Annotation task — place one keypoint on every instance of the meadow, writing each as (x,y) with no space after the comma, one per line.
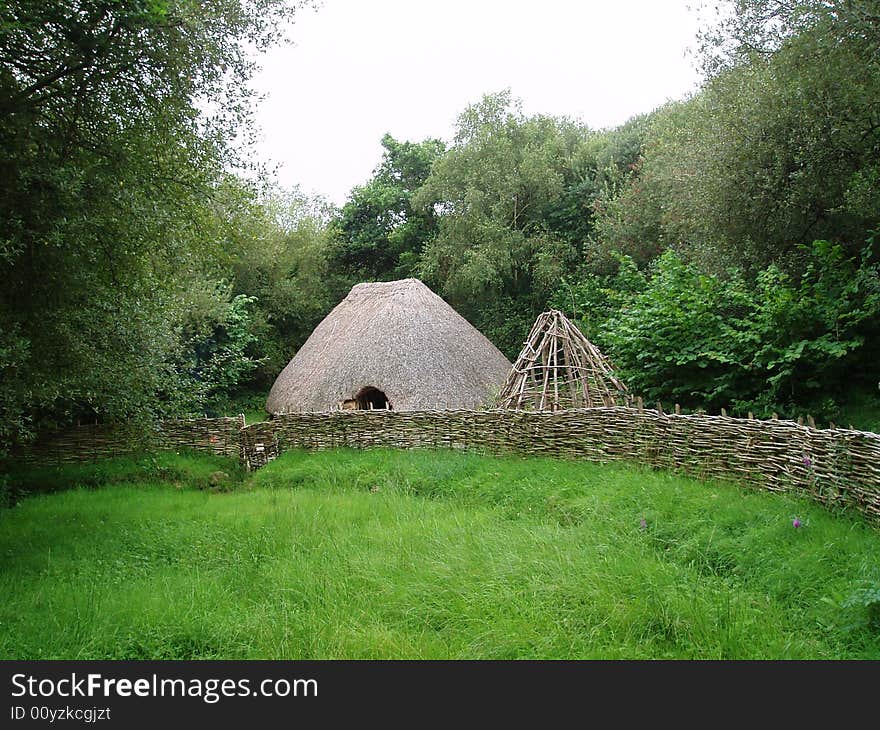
(424,554)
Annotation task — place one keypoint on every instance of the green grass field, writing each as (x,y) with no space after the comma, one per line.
(425,554)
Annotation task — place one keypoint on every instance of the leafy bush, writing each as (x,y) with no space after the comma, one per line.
(216,358)
(865,604)
(771,342)
(819,333)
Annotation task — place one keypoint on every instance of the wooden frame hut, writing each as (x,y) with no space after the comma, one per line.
(558,368)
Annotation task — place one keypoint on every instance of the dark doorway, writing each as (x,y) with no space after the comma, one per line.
(370,398)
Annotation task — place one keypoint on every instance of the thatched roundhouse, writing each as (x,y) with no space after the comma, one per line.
(391,345)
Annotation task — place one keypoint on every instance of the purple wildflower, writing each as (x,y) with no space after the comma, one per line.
(808,462)
(643,524)
(795,523)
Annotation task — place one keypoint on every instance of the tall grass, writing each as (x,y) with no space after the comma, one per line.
(429,554)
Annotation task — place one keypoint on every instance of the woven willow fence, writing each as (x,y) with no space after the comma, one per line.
(837,467)
(89,443)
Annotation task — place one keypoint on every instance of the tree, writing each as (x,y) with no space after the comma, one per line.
(780,147)
(277,244)
(107,168)
(380,232)
(502,238)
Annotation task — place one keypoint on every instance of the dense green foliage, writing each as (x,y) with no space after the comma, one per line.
(276,252)
(719,248)
(380,231)
(385,554)
(497,252)
(780,147)
(108,165)
(755,343)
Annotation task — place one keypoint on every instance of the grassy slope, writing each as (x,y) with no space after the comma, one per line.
(389,554)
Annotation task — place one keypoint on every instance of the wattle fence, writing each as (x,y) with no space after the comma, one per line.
(837,467)
(220,436)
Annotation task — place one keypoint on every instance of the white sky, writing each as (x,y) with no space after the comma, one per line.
(361,68)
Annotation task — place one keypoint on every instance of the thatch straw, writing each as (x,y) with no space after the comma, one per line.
(558,368)
(400,338)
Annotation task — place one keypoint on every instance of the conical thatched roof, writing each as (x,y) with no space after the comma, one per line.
(397,337)
(559,367)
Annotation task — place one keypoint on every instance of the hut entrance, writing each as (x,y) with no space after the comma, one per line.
(369,398)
